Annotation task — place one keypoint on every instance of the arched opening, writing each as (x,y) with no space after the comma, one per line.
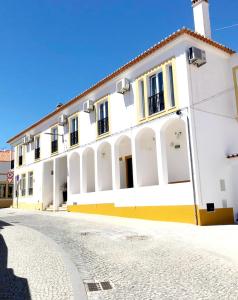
(104,161)
(175,137)
(74,173)
(146,158)
(123,163)
(88,171)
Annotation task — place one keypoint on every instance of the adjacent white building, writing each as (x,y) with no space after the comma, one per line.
(156,139)
(6,185)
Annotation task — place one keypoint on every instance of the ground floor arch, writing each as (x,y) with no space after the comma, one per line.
(104,167)
(88,164)
(175,141)
(146,157)
(74,173)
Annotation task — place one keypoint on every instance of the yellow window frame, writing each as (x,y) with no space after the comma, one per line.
(235,79)
(145,78)
(97,103)
(70,118)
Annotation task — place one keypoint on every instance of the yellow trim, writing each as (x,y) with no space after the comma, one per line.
(28,206)
(183,213)
(69,119)
(145,77)
(221,216)
(175,213)
(4,203)
(235,79)
(107,97)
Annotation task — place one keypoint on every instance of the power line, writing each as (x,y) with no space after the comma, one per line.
(227,27)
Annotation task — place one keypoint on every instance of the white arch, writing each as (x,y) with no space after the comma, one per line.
(104,167)
(88,166)
(146,157)
(174,138)
(74,173)
(123,167)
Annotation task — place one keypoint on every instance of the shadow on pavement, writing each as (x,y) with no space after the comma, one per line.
(11,286)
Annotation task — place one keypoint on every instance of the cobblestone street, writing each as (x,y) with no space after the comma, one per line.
(141,259)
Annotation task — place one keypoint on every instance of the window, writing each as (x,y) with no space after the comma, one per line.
(30,183)
(156,91)
(141,90)
(23,184)
(37,147)
(74,131)
(54,140)
(20,155)
(103,122)
(3,189)
(12,164)
(170,86)
(156,98)
(10,191)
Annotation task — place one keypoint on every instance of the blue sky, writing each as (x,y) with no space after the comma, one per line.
(52,50)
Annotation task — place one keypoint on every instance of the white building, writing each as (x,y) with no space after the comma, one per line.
(152,140)
(6,187)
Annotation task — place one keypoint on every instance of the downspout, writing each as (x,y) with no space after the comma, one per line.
(192,170)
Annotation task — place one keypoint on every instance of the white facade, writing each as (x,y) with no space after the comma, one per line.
(174,157)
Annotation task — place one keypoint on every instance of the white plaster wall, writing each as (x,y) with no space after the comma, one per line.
(48,183)
(104,167)
(212,114)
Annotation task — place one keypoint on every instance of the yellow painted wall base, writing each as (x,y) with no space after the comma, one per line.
(221,216)
(4,203)
(28,206)
(178,213)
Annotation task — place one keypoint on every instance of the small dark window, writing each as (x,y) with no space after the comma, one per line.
(103,121)
(12,164)
(210,207)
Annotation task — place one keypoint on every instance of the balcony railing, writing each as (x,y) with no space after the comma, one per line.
(54,146)
(103,126)
(156,103)
(37,153)
(74,138)
(20,160)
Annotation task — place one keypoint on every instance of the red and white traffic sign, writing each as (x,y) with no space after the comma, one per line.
(10,176)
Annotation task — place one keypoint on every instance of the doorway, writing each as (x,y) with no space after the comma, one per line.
(129,172)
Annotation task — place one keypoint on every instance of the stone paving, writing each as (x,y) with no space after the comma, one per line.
(142,259)
(30,267)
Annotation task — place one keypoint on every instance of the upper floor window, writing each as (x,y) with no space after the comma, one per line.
(74,131)
(54,139)
(156,98)
(37,147)
(23,184)
(20,155)
(30,183)
(156,91)
(102,117)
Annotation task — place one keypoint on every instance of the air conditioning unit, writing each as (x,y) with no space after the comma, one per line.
(24,140)
(29,138)
(123,86)
(88,106)
(197,56)
(63,119)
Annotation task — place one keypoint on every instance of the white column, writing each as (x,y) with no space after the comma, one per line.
(81,174)
(161,158)
(96,169)
(55,185)
(134,161)
(115,167)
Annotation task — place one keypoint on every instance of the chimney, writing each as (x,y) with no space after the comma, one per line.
(201,17)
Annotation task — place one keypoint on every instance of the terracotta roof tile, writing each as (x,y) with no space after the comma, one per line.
(164,42)
(5,155)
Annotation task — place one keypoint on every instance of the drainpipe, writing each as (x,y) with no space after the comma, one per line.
(179,112)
